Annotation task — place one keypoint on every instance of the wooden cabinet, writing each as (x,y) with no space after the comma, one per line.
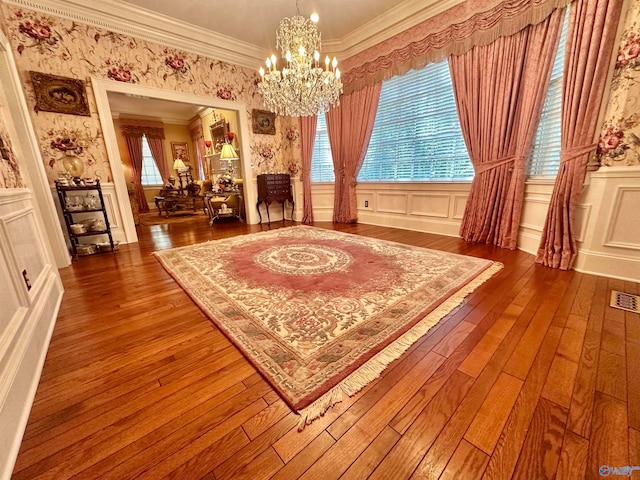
(274,187)
(70,208)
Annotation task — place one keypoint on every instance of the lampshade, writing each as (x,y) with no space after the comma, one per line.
(228,153)
(178,164)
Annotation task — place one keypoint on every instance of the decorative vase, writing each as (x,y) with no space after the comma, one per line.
(73,165)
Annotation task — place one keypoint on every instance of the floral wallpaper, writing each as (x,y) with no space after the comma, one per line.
(10,176)
(58,46)
(619,142)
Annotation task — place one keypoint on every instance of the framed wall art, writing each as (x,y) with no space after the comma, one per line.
(180,150)
(264,122)
(59,94)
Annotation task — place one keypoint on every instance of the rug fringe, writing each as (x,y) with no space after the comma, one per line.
(372,369)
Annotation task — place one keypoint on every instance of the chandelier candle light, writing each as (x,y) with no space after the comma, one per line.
(303,87)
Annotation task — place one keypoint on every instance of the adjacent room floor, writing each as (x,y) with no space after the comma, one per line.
(534,376)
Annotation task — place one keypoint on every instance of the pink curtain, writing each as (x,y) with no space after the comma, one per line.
(134,145)
(156,145)
(349,138)
(590,41)
(455,31)
(307,139)
(500,89)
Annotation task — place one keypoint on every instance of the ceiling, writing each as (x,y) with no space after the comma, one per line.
(255,21)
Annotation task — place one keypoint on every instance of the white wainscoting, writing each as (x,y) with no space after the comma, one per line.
(607,230)
(29,300)
(610,229)
(424,207)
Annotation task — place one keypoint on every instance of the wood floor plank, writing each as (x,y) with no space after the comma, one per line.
(487,426)
(448,344)
(485,349)
(307,457)
(196,448)
(542,446)
(560,383)
(585,385)
(265,419)
(408,452)
(611,445)
(633,383)
(507,451)
(261,468)
(573,457)
(388,381)
(612,375)
(467,462)
(174,435)
(369,459)
(234,466)
(350,445)
(529,344)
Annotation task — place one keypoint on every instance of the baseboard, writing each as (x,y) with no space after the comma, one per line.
(25,363)
(608,265)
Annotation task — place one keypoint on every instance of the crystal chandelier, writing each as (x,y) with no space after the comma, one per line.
(303,87)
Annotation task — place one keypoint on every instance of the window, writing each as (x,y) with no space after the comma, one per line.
(150,172)
(545,154)
(417,136)
(321,161)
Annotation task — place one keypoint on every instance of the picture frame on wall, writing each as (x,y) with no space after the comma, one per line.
(180,150)
(264,122)
(60,94)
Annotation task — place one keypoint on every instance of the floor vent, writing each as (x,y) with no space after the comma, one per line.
(625,301)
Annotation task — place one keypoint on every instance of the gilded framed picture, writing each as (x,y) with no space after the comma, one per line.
(264,122)
(180,150)
(59,94)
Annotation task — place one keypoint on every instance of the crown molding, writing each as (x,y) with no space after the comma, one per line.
(406,15)
(126,19)
(141,23)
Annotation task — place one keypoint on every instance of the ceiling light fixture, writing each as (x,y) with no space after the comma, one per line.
(303,87)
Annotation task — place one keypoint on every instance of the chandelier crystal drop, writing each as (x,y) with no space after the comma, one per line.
(303,86)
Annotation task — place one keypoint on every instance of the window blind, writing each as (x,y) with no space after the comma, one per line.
(544,159)
(417,136)
(150,172)
(321,161)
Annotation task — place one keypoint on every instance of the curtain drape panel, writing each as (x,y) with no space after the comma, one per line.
(156,145)
(307,140)
(500,89)
(349,126)
(468,24)
(134,145)
(591,37)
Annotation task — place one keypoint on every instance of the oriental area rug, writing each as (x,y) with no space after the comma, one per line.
(322,313)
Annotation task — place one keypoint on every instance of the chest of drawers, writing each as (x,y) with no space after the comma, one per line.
(274,187)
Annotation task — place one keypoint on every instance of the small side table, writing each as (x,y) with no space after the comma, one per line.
(223,197)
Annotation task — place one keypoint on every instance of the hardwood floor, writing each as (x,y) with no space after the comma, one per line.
(533,377)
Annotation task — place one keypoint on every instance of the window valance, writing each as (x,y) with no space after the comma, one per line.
(137,128)
(452,32)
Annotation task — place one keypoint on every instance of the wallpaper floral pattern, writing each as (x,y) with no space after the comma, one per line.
(10,176)
(58,46)
(619,142)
